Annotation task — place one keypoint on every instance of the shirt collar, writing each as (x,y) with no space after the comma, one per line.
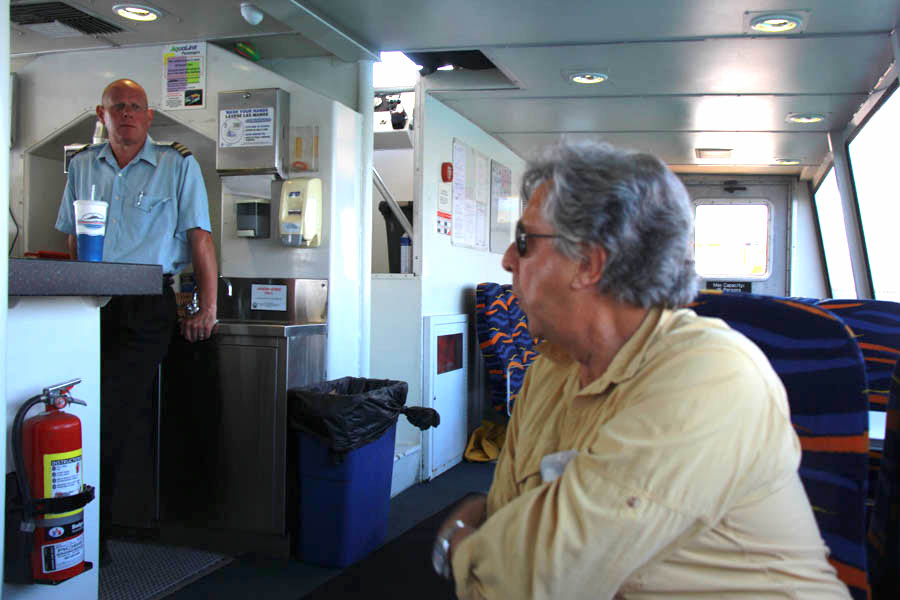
(628,359)
(146,153)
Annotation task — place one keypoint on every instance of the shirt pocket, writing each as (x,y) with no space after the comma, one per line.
(149,204)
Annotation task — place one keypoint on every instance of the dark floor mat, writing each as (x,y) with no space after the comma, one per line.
(145,571)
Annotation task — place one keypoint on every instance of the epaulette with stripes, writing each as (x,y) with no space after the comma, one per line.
(85,147)
(182,149)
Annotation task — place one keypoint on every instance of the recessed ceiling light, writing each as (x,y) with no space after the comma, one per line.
(805,118)
(775,23)
(445,68)
(787,161)
(137,12)
(588,77)
(715,153)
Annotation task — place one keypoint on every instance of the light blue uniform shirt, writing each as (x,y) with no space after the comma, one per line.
(153,202)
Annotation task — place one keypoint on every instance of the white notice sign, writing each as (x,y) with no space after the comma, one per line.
(244,127)
(268,297)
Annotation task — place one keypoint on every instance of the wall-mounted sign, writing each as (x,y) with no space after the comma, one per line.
(730,286)
(184,76)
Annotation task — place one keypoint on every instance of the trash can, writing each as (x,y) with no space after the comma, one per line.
(346,430)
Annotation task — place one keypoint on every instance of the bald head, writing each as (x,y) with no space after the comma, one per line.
(124,84)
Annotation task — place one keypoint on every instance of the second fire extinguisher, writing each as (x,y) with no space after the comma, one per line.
(48,456)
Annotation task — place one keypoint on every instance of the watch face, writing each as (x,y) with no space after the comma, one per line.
(439,557)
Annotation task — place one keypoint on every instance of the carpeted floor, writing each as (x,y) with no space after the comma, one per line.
(401,569)
(252,576)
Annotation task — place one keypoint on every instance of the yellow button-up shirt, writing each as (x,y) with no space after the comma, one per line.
(684,484)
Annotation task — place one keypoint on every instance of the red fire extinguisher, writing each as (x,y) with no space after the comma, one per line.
(48,456)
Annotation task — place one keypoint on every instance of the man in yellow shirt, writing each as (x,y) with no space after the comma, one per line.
(650,453)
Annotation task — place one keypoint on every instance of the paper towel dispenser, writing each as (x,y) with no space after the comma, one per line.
(253,129)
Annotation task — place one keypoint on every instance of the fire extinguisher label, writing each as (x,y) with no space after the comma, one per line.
(63,555)
(62,476)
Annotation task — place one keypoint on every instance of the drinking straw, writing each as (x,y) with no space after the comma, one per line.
(93,190)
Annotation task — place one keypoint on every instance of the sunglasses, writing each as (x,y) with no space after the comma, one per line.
(522,238)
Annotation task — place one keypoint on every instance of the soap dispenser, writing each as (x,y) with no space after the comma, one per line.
(300,217)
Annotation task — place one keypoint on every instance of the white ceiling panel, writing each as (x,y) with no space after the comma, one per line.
(657,113)
(678,148)
(820,65)
(405,25)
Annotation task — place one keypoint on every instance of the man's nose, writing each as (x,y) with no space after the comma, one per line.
(510,257)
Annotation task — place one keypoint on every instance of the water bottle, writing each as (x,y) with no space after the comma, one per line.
(405,254)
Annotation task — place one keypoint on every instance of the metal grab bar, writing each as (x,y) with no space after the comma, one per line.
(395,208)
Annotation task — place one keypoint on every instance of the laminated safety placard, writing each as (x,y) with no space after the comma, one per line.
(62,477)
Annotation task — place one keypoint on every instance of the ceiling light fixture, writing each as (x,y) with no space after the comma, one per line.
(445,68)
(251,13)
(137,12)
(588,77)
(713,153)
(805,118)
(787,161)
(775,23)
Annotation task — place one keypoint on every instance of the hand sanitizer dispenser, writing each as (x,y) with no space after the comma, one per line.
(300,217)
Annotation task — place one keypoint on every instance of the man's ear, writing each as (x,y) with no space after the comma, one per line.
(591,268)
(100,113)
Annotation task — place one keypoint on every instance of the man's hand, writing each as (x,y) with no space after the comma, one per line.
(199,326)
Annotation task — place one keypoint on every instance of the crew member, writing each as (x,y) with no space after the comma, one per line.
(158,214)
(650,452)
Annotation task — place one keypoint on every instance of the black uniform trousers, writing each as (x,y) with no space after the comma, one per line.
(135,332)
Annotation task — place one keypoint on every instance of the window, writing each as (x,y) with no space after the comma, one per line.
(873,158)
(450,355)
(732,240)
(834,238)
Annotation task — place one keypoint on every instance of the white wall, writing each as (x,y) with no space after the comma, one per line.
(450,273)
(44,110)
(807,270)
(345,270)
(53,340)
(4,210)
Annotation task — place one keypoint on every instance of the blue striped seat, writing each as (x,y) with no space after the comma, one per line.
(876,326)
(884,531)
(505,342)
(822,369)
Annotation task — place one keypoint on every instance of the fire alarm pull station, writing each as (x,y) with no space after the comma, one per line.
(46,496)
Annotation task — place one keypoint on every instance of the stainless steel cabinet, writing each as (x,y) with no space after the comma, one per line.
(223,434)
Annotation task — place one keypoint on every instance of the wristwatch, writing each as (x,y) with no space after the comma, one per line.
(440,554)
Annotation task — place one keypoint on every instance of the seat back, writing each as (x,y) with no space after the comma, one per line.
(876,326)
(505,342)
(884,531)
(822,370)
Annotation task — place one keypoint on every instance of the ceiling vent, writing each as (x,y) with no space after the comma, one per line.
(472,60)
(44,14)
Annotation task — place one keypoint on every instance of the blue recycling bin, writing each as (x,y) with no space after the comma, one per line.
(344,506)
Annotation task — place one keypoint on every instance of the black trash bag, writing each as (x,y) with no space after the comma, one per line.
(346,413)
(422,417)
